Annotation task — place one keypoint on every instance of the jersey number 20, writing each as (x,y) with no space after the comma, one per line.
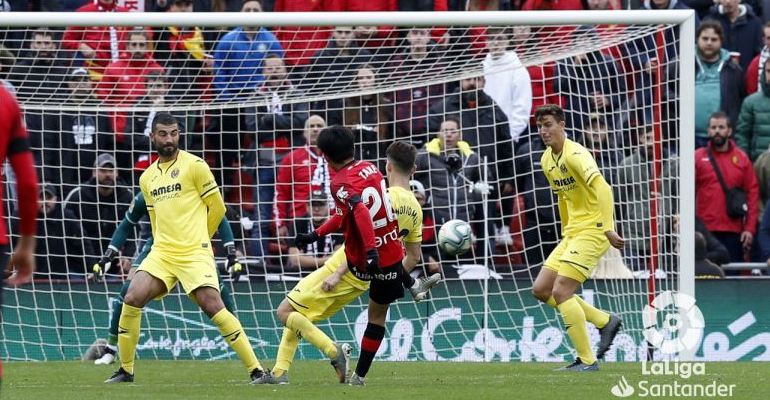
(372,197)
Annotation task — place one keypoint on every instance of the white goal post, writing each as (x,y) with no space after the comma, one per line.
(491,316)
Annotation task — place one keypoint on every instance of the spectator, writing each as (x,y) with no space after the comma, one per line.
(541,76)
(181,51)
(485,129)
(704,268)
(123,80)
(301,170)
(603,146)
(412,105)
(61,253)
(634,193)
(716,252)
(78,132)
(718,80)
(753,76)
(315,254)
(441,166)
(753,131)
(507,82)
(40,74)
(671,35)
(702,7)
(335,65)
(96,46)
(301,42)
(736,233)
(100,204)
(139,152)
(7,59)
(742,29)
(369,116)
(591,83)
(239,54)
(542,228)
(278,125)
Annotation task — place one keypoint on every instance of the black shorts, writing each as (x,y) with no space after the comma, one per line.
(388,287)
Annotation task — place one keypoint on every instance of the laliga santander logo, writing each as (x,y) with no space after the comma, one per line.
(682,324)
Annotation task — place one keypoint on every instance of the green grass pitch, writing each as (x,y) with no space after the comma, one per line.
(221,380)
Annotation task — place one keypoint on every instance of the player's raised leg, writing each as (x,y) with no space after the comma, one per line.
(143,288)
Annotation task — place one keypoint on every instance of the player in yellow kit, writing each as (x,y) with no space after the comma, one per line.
(331,287)
(185,208)
(588,230)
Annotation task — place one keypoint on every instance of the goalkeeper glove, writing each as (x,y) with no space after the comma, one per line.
(304,239)
(373,263)
(234,268)
(104,264)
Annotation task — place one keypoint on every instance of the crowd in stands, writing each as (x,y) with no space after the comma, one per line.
(261,139)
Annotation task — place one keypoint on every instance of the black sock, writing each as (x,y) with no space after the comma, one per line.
(406,279)
(370,343)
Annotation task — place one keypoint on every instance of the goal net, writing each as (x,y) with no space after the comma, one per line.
(250,95)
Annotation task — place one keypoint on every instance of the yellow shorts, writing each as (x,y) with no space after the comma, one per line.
(310,300)
(577,256)
(193,271)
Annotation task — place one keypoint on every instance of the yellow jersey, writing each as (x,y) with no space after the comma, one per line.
(409,215)
(570,174)
(175,191)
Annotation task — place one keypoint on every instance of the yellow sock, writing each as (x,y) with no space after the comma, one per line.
(289,344)
(299,323)
(232,331)
(575,321)
(128,335)
(593,315)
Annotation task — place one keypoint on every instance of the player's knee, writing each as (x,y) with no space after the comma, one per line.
(540,293)
(562,294)
(133,300)
(283,311)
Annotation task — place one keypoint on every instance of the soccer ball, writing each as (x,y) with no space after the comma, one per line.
(454,237)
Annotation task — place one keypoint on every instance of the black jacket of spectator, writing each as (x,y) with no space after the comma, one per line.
(542,227)
(330,68)
(184,71)
(277,132)
(716,252)
(732,89)
(744,35)
(61,248)
(484,127)
(39,78)
(76,136)
(447,191)
(99,214)
(578,82)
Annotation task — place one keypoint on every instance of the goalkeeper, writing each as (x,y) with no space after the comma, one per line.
(136,212)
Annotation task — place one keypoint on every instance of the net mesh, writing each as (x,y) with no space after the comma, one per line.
(250,100)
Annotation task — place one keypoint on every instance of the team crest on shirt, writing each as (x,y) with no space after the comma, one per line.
(342,194)
(735,160)
(563,168)
(174,173)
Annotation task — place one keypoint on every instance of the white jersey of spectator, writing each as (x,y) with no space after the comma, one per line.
(509,85)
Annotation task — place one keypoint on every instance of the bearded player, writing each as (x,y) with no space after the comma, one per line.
(136,212)
(185,209)
(588,230)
